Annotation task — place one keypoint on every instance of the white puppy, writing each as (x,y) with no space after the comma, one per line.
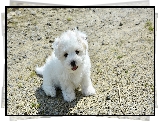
(68,66)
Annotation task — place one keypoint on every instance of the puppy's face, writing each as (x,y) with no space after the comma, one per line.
(71,49)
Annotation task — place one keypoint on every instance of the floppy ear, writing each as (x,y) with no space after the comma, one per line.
(55,43)
(55,46)
(82,37)
(85,43)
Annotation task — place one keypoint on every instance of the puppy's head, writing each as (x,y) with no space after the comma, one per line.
(71,49)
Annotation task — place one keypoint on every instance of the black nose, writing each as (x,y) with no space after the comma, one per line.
(73,63)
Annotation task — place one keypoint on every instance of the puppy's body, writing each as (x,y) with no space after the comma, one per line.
(68,66)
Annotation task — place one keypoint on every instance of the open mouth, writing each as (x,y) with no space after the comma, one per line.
(74,68)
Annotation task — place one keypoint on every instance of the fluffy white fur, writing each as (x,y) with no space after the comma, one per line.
(68,67)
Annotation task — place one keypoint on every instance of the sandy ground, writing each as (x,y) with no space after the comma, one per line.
(121,48)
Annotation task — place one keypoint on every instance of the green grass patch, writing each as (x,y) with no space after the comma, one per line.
(149,26)
(119,57)
(32,74)
(126,71)
(20,85)
(69,19)
(35,105)
(148,23)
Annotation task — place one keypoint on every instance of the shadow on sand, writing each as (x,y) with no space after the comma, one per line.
(55,105)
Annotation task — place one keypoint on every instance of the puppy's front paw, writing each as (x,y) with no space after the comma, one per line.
(49,90)
(69,96)
(89,91)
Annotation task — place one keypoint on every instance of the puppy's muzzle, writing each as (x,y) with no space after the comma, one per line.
(73,64)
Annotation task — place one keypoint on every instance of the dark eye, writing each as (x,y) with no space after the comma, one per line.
(65,55)
(77,52)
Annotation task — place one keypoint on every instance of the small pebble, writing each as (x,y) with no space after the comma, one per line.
(120,24)
(48,24)
(108,98)
(39,38)
(33,12)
